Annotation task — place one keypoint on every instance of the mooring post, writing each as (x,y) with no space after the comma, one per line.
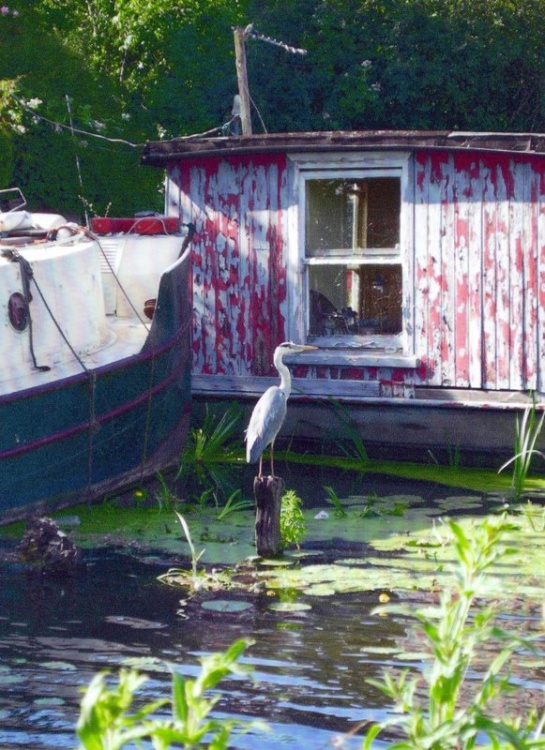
(268,493)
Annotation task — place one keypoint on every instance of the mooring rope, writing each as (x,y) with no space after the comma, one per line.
(91,379)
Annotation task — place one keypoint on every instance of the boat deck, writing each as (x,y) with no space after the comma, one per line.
(127,337)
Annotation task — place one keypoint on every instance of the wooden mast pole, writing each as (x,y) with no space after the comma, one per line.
(242,78)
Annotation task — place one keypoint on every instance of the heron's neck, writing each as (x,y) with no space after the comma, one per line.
(285,376)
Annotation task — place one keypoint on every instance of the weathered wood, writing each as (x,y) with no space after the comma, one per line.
(268,496)
(472,230)
(159,153)
(242,78)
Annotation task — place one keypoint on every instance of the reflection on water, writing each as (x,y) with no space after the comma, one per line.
(311,665)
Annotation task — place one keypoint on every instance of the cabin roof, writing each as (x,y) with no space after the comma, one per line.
(159,153)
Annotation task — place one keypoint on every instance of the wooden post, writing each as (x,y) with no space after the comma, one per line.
(268,493)
(242,78)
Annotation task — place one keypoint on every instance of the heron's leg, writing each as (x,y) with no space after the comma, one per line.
(272,459)
(260,474)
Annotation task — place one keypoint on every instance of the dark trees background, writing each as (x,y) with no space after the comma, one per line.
(128,71)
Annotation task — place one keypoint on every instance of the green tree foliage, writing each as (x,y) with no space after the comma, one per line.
(432,63)
(138,70)
(54,77)
(437,64)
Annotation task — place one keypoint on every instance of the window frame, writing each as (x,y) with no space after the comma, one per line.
(357,166)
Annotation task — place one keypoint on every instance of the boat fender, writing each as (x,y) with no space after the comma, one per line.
(149,308)
(11,220)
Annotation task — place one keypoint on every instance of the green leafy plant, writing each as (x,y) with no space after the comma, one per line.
(214,441)
(455,712)
(292,520)
(535,516)
(166,498)
(200,579)
(334,499)
(106,721)
(195,556)
(213,452)
(350,441)
(527,433)
(234,502)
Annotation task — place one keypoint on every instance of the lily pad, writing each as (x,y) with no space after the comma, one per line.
(226,605)
(145,663)
(11,679)
(51,701)
(289,607)
(61,666)
(135,622)
(461,502)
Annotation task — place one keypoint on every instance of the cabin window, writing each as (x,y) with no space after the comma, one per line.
(351,226)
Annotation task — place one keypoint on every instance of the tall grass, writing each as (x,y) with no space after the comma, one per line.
(527,433)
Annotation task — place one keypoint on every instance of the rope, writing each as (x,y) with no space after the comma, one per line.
(59,329)
(118,282)
(27,275)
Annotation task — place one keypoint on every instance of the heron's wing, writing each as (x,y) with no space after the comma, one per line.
(265,422)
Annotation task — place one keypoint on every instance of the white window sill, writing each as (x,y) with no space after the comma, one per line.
(363,356)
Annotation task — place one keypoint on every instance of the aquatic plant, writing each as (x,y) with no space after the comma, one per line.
(334,499)
(195,556)
(528,431)
(108,721)
(457,712)
(166,498)
(213,441)
(235,502)
(292,520)
(350,441)
(213,453)
(203,497)
(198,580)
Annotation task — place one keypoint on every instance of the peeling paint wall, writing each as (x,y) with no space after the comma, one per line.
(239,260)
(480,269)
(475,317)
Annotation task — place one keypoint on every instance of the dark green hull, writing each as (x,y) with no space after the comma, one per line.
(80,437)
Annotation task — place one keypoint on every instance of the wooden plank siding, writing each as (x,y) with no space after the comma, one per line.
(239,278)
(474,281)
(479,253)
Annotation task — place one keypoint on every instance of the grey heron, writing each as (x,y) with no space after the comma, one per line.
(270,411)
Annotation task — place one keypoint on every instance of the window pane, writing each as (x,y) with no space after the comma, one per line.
(343,217)
(383,209)
(348,301)
(329,220)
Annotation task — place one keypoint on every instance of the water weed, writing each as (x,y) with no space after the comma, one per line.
(195,556)
(334,500)
(235,502)
(292,520)
(527,433)
(166,498)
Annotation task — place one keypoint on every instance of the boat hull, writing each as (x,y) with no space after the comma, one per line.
(77,438)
